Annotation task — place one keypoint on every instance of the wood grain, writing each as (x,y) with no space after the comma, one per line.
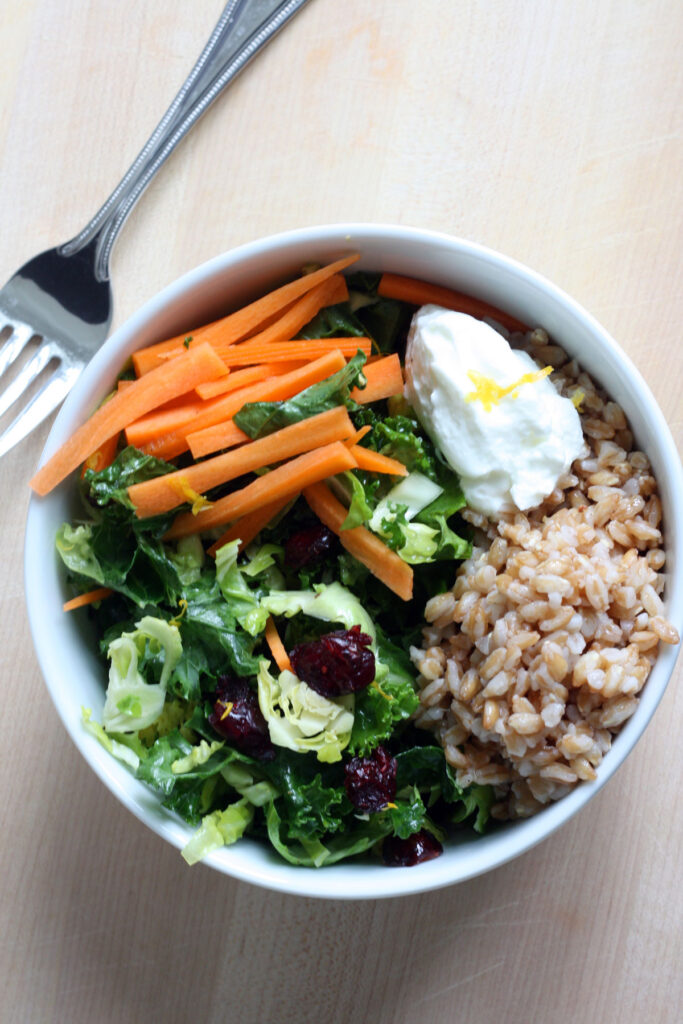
(550,131)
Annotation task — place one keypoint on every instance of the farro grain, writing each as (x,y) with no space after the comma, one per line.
(534,659)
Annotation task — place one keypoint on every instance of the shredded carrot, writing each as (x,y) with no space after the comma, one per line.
(285,481)
(293,319)
(231,435)
(162,493)
(277,648)
(103,457)
(167,381)
(384,379)
(240,324)
(373,462)
(421,293)
(367,547)
(275,351)
(248,375)
(208,428)
(160,422)
(88,598)
(249,526)
(358,436)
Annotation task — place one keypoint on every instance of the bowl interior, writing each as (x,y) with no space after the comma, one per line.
(75,677)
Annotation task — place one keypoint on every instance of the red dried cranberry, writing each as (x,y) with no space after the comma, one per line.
(337,663)
(371,781)
(308,545)
(405,853)
(237,716)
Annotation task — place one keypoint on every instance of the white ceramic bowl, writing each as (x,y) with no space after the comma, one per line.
(75,677)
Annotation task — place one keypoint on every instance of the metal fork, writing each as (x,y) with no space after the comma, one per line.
(63,295)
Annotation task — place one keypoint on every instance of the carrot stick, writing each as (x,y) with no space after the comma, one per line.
(275,351)
(248,375)
(384,379)
(230,436)
(358,436)
(162,421)
(88,598)
(161,493)
(285,481)
(178,375)
(373,462)
(249,526)
(103,457)
(277,648)
(238,325)
(421,293)
(208,428)
(382,562)
(293,319)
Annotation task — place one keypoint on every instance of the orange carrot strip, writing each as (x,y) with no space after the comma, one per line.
(358,436)
(171,353)
(277,648)
(382,562)
(238,325)
(249,526)
(160,422)
(297,316)
(285,481)
(162,493)
(145,359)
(236,379)
(103,457)
(276,351)
(248,375)
(230,436)
(175,377)
(88,598)
(421,293)
(384,379)
(373,462)
(206,436)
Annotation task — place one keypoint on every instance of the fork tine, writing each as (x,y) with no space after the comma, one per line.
(29,372)
(40,406)
(13,345)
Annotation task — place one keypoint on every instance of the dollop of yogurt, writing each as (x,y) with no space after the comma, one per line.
(497,420)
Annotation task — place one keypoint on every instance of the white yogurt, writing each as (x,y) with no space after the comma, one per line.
(509,450)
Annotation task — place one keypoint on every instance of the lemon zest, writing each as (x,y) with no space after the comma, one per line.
(577,398)
(376,686)
(182,603)
(197,501)
(228,708)
(489,392)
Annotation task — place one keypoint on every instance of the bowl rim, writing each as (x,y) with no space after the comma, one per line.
(350,881)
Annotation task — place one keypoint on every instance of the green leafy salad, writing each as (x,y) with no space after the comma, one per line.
(266,689)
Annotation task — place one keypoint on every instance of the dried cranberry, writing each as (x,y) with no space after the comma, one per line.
(308,545)
(371,781)
(337,663)
(237,716)
(405,853)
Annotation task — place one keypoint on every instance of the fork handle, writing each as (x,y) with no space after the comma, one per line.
(244,27)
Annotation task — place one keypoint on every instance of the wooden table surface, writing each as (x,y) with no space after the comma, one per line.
(550,131)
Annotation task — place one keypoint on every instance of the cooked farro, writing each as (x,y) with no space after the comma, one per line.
(535,659)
